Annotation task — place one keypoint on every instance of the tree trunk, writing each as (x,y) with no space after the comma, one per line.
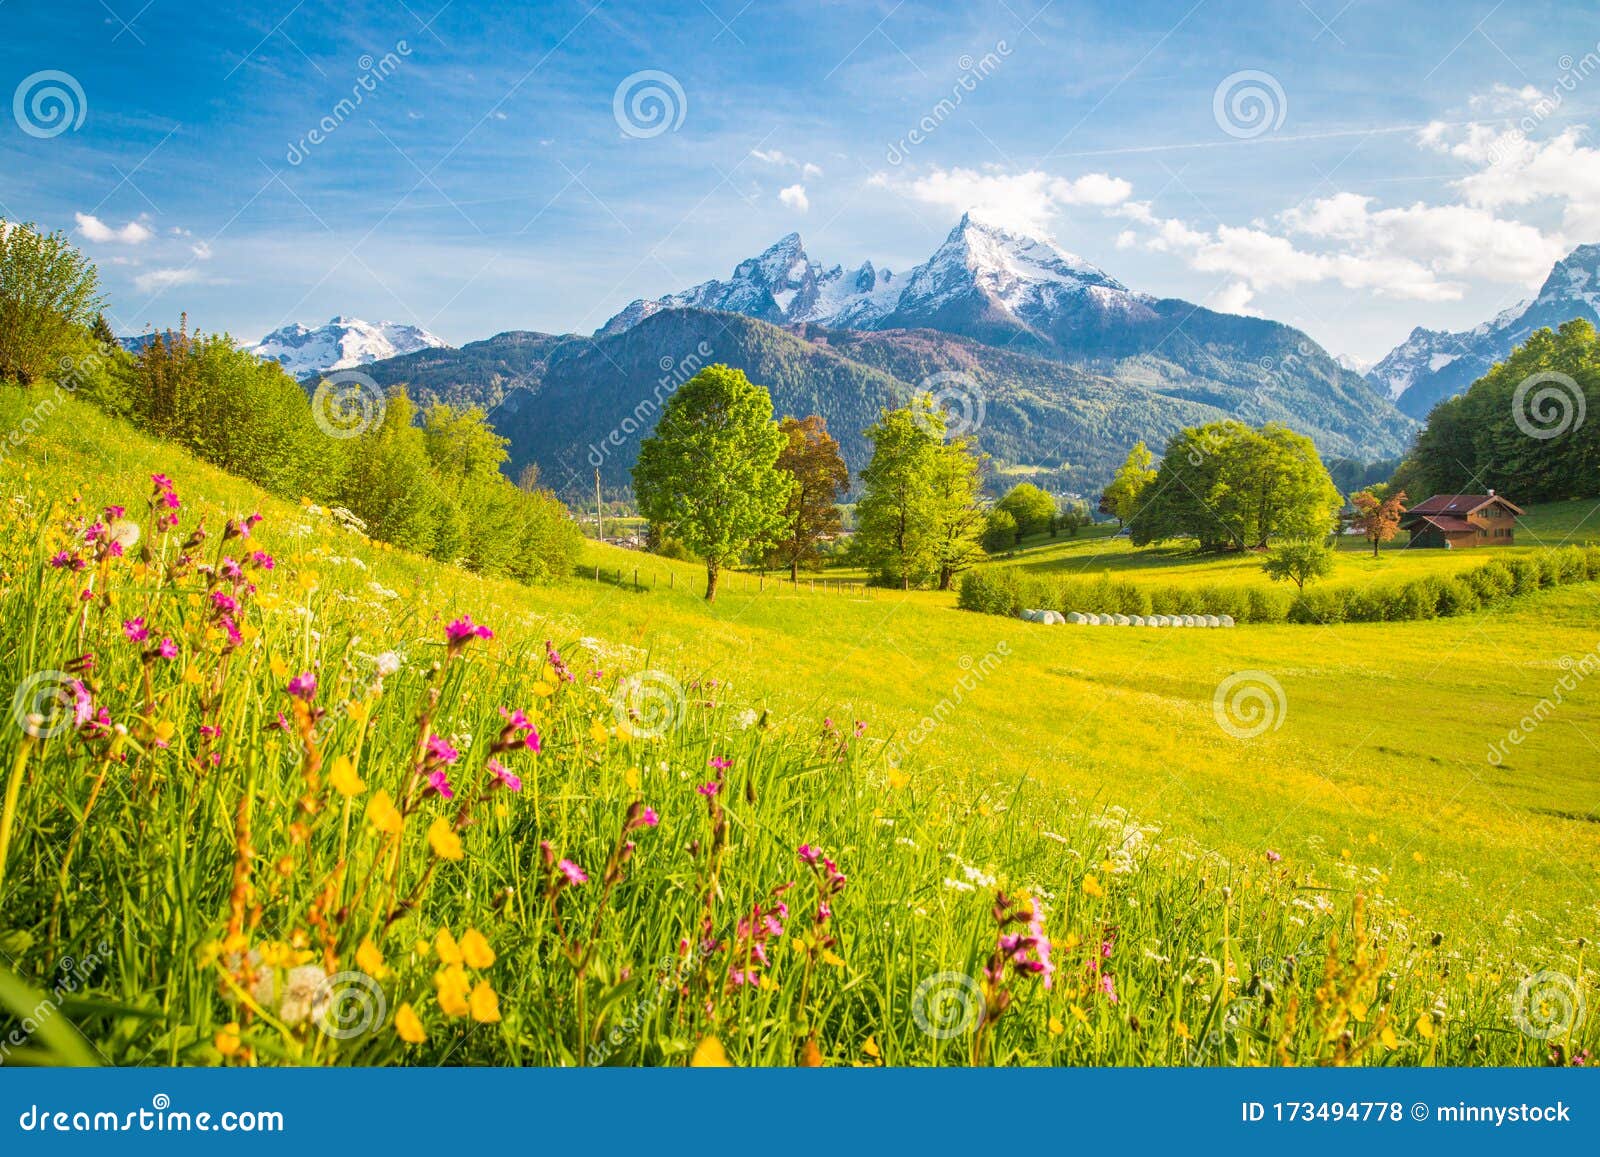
(794,571)
(946,577)
(1374,548)
(711,581)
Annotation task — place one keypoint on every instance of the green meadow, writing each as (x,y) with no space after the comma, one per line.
(1333,869)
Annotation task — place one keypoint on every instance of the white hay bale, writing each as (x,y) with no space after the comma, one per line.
(1030,616)
(1213,621)
(1057,619)
(1225,620)
(1074,618)
(1121,620)
(1136,620)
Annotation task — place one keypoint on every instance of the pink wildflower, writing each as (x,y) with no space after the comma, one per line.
(135,630)
(503,775)
(573,873)
(303,686)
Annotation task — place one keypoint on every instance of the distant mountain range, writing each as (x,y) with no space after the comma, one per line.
(1432,365)
(1070,366)
(342,344)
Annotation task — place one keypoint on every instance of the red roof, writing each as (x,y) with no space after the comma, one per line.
(1460,505)
(1447,523)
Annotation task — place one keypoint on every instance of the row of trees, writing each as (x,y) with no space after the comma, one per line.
(430,482)
(721,477)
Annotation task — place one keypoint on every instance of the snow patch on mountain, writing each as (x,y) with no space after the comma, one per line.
(343,343)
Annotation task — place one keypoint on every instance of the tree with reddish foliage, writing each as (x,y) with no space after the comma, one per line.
(1378,514)
(810,457)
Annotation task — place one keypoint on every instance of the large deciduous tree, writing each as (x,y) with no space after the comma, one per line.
(819,478)
(1034,510)
(709,474)
(1122,495)
(1231,487)
(918,520)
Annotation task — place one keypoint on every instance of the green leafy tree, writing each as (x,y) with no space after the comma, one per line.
(953,517)
(1231,487)
(1033,509)
(1074,516)
(1121,497)
(709,474)
(48,293)
(1299,562)
(892,538)
(811,459)
(999,531)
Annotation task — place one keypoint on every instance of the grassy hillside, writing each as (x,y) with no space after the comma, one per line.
(1360,857)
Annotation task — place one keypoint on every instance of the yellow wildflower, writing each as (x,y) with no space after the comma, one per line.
(475,949)
(447,948)
(370,960)
(443,840)
(1091,887)
(452,987)
(343,778)
(484,1004)
(382,814)
(709,1054)
(227,1038)
(408,1026)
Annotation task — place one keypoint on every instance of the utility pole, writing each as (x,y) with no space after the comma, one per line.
(599,519)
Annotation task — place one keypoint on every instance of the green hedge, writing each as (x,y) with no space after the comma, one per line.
(1007,590)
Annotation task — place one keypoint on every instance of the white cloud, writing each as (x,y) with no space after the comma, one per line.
(201,250)
(161,279)
(781,159)
(795,198)
(96,230)
(1515,170)
(1232,298)
(1502,98)
(1027,202)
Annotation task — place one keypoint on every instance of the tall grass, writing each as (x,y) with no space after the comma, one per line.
(224,841)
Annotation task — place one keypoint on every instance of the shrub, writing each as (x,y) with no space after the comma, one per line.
(1457,597)
(1327,605)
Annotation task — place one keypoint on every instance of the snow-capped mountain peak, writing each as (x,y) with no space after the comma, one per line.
(1432,365)
(343,343)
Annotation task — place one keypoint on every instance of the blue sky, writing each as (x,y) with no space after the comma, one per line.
(1406,164)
